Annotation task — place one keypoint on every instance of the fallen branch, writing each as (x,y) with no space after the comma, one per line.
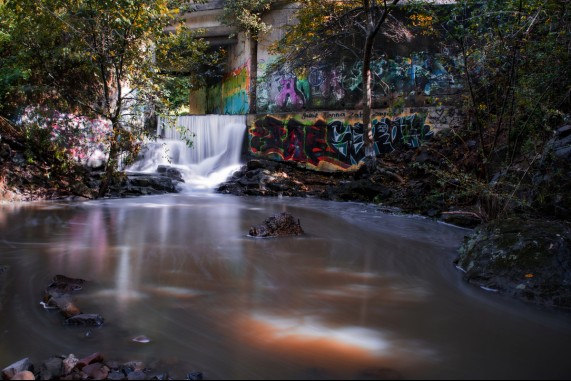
(392,175)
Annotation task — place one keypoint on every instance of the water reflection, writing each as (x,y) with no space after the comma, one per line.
(345,298)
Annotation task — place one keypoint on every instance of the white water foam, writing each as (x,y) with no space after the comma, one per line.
(215,152)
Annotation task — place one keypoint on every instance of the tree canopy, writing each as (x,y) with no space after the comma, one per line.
(246,15)
(99,58)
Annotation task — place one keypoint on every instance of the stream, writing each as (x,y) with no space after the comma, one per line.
(362,295)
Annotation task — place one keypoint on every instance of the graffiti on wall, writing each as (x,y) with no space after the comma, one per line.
(334,141)
(231,96)
(323,86)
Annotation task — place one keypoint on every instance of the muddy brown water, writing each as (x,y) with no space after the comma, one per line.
(363,295)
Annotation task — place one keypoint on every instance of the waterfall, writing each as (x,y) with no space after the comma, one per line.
(214,154)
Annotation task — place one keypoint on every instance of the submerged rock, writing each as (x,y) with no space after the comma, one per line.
(65,305)
(62,285)
(280,225)
(86,320)
(524,258)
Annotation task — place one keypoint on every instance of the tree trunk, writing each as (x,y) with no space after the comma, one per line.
(253,93)
(112,161)
(367,94)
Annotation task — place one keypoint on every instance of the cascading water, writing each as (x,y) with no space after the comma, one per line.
(215,152)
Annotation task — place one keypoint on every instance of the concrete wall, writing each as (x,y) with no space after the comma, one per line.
(415,87)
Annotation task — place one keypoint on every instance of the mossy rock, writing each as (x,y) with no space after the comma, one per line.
(528,259)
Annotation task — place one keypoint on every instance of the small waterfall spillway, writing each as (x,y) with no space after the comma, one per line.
(214,154)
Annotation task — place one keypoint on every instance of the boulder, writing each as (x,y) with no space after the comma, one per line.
(158,184)
(280,225)
(170,172)
(528,259)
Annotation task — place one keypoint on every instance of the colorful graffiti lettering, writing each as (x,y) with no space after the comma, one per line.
(327,141)
(289,93)
(406,131)
(421,73)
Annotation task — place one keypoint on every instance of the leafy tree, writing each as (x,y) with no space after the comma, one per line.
(516,69)
(246,16)
(10,72)
(326,26)
(516,57)
(105,59)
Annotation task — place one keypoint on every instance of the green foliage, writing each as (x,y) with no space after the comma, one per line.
(516,65)
(98,58)
(246,15)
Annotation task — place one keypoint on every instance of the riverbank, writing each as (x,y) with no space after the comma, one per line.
(528,200)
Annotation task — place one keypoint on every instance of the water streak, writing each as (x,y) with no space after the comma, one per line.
(214,154)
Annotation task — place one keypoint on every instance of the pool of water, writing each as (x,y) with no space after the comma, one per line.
(363,295)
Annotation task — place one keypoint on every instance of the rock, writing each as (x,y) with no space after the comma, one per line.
(255,164)
(25,375)
(86,320)
(160,184)
(51,369)
(280,225)
(65,305)
(194,375)
(62,285)
(96,371)
(116,375)
(360,190)
(5,151)
(20,366)
(136,375)
(91,359)
(69,364)
(528,259)
(113,365)
(170,172)
(134,365)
